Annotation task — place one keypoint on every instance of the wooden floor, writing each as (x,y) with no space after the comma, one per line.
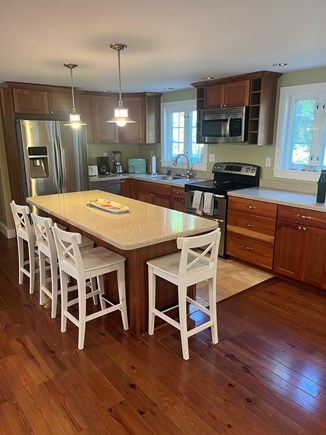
(267,375)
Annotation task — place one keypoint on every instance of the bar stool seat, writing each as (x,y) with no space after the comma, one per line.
(83,266)
(196,262)
(25,233)
(48,255)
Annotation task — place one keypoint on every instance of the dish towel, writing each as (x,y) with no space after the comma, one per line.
(197,202)
(208,203)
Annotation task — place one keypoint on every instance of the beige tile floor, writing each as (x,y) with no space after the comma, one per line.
(232,278)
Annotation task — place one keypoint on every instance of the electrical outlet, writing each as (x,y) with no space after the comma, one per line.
(268,162)
(211,157)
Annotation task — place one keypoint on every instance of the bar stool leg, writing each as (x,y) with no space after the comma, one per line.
(82,313)
(212,309)
(42,276)
(31,254)
(122,295)
(20,243)
(54,288)
(151,300)
(64,300)
(182,293)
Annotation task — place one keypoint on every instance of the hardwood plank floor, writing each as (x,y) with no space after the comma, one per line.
(267,374)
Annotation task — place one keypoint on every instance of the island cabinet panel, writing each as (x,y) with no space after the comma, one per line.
(234,94)
(300,245)
(251,231)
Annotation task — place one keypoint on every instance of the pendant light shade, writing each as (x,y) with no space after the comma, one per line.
(74,117)
(121,117)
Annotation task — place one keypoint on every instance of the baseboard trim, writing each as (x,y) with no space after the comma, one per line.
(9,233)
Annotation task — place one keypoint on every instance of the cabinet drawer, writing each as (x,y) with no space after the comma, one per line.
(178,192)
(249,250)
(253,206)
(249,224)
(302,216)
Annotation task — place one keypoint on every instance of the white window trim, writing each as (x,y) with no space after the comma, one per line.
(188,104)
(285,93)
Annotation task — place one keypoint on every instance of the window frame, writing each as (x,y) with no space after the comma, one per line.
(184,105)
(288,96)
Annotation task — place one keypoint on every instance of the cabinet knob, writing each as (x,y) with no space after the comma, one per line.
(250,225)
(251,207)
(248,248)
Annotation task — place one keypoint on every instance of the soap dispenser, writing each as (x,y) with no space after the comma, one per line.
(321,190)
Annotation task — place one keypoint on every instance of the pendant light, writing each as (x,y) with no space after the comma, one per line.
(74,117)
(121,117)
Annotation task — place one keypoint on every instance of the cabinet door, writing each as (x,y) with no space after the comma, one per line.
(178,199)
(133,133)
(162,200)
(314,257)
(60,101)
(30,101)
(85,108)
(288,249)
(103,110)
(145,196)
(213,96)
(236,94)
(125,188)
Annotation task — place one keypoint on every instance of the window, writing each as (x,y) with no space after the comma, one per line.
(179,134)
(301,132)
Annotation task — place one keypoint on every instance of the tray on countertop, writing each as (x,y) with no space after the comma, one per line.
(109,206)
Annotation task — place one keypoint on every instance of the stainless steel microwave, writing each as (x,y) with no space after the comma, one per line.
(223,125)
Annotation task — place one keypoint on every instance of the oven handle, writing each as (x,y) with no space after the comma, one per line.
(218,196)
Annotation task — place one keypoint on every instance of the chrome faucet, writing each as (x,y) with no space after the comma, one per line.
(175,161)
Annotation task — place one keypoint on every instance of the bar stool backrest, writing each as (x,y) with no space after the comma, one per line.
(204,258)
(44,235)
(23,225)
(67,245)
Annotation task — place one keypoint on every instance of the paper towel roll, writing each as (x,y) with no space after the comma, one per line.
(153,164)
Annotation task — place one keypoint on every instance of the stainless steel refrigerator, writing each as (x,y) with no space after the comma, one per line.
(53,157)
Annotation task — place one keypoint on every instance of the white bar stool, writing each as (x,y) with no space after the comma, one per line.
(48,254)
(24,232)
(186,268)
(85,265)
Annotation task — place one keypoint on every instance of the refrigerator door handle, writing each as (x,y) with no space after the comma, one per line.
(62,162)
(57,158)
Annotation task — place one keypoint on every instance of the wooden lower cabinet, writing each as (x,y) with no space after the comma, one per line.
(300,245)
(178,198)
(125,188)
(251,231)
(153,193)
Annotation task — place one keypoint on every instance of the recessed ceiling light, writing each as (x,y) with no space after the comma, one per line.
(207,78)
(279,64)
(169,89)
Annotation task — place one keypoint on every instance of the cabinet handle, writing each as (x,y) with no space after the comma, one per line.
(250,225)
(302,216)
(304,229)
(251,207)
(248,248)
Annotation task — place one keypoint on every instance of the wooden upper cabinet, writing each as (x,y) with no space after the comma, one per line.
(103,110)
(134,132)
(233,94)
(85,108)
(30,101)
(42,101)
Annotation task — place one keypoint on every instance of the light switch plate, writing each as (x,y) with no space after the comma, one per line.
(211,157)
(268,162)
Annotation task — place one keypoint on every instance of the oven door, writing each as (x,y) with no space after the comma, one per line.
(219,215)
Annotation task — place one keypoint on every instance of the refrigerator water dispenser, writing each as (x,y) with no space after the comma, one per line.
(38,162)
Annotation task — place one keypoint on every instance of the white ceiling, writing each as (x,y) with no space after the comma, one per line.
(171,43)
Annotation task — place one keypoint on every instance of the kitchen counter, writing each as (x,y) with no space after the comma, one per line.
(144,224)
(145,232)
(293,199)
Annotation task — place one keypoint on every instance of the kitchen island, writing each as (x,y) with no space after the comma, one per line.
(144,232)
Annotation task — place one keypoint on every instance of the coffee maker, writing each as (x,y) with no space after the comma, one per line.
(103,165)
(116,161)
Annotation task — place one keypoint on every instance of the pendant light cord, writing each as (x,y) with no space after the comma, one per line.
(119,69)
(72,92)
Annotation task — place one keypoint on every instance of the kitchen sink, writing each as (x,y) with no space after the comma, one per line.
(166,177)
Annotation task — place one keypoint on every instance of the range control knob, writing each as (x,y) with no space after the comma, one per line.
(247,169)
(253,170)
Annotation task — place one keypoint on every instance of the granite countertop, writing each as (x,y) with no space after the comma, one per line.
(294,199)
(144,224)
